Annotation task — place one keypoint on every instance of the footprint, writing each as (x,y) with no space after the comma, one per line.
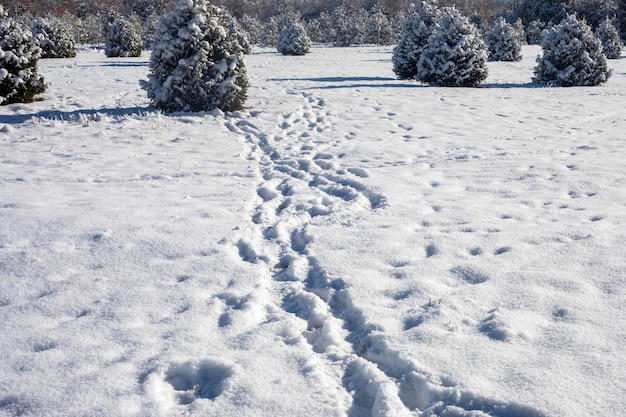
(470,274)
(359,172)
(198,379)
(496,328)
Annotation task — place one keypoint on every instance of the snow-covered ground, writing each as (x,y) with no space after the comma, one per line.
(351,245)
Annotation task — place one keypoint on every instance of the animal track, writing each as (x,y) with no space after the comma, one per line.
(192,380)
(302,179)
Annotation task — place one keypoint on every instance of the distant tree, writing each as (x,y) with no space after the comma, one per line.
(546,11)
(252,27)
(196,63)
(379,29)
(123,39)
(19,53)
(56,37)
(621,18)
(594,12)
(535,32)
(609,37)
(349,26)
(294,40)
(455,55)
(572,56)
(503,41)
(237,31)
(415,32)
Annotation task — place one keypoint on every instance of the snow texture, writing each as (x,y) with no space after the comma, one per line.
(196,62)
(294,40)
(351,245)
(572,56)
(455,54)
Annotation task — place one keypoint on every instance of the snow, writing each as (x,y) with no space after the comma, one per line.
(349,245)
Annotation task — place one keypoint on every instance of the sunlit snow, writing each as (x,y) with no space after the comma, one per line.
(349,245)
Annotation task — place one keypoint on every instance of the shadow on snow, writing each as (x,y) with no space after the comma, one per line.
(77,114)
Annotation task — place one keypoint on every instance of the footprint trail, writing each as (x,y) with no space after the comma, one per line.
(301,180)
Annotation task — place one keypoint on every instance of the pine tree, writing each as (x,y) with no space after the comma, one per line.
(609,37)
(196,62)
(503,41)
(572,56)
(294,40)
(237,31)
(123,39)
(56,38)
(19,53)
(455,55)
(415,32)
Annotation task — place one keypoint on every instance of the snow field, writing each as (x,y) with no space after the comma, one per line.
(350,245)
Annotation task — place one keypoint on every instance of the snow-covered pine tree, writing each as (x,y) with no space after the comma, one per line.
(536,31)
(196,62)
(252,27)
(294,40)
(503,41)
(455,55)
(56,40)
(415,32)
(609,37)
(572,56)
(123,39)
(19,53)
(242,37)
(349,26)
(379,30)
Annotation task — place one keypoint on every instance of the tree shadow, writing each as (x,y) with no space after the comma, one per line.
(385,82)
(77,115)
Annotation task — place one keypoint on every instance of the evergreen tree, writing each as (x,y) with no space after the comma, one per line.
(379,29)
(609,37)
(349,26)
(294,40)
(415,32)
(572,56)
(123,39)
(455,55)
(252,27)
(56,37)
(19,53)
(503,41)
(237,31)
(196,62)
(535,32)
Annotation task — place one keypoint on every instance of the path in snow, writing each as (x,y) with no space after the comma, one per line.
(303,179)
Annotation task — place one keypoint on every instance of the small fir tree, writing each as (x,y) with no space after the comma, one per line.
(242,37)
(196,62)
(350,26)
(535,32)
(609,37)
(415,32)
(455,55)
(19,53)
(56,37)
(503,41)
(294,40)
(379,28)
(572,56)
(123,39)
